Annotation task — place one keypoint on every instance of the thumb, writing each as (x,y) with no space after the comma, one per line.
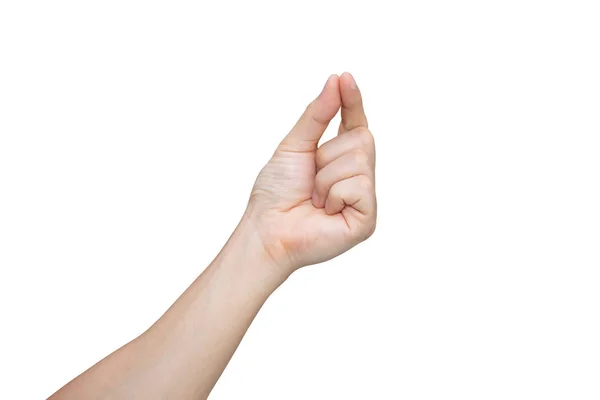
(305,135)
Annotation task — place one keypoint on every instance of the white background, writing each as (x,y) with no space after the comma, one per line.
(131,134)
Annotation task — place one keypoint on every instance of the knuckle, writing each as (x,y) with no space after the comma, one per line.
(365,183)
(313,113)
(371,228)
(366,138)
(336,191)
(366,231)
(363,131)
(371,224)
(309,107)
(361,157)
(362,138)
(309,110)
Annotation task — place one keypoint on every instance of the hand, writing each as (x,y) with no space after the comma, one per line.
(309,203)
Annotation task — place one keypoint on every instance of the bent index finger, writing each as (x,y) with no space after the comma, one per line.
(353,113)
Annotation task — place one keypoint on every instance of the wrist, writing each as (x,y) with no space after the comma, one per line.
(246,250)
(272,233)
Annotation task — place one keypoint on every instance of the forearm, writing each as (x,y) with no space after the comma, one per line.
(183,354)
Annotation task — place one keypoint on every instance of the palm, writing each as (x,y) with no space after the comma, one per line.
(284,188)
(300,227)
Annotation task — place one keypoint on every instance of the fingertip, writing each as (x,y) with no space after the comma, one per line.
(331,84)
(331,91)
(349,91)
(333,205)
(353,113)
(329,209)
(348,81)
(316,201)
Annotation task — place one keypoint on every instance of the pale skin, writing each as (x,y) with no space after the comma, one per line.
(309,204)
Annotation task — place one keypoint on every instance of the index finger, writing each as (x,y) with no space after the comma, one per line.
(353,113)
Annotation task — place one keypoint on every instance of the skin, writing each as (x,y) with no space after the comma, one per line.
(309,204)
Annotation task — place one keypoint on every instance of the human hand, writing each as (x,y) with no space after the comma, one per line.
(310,203)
